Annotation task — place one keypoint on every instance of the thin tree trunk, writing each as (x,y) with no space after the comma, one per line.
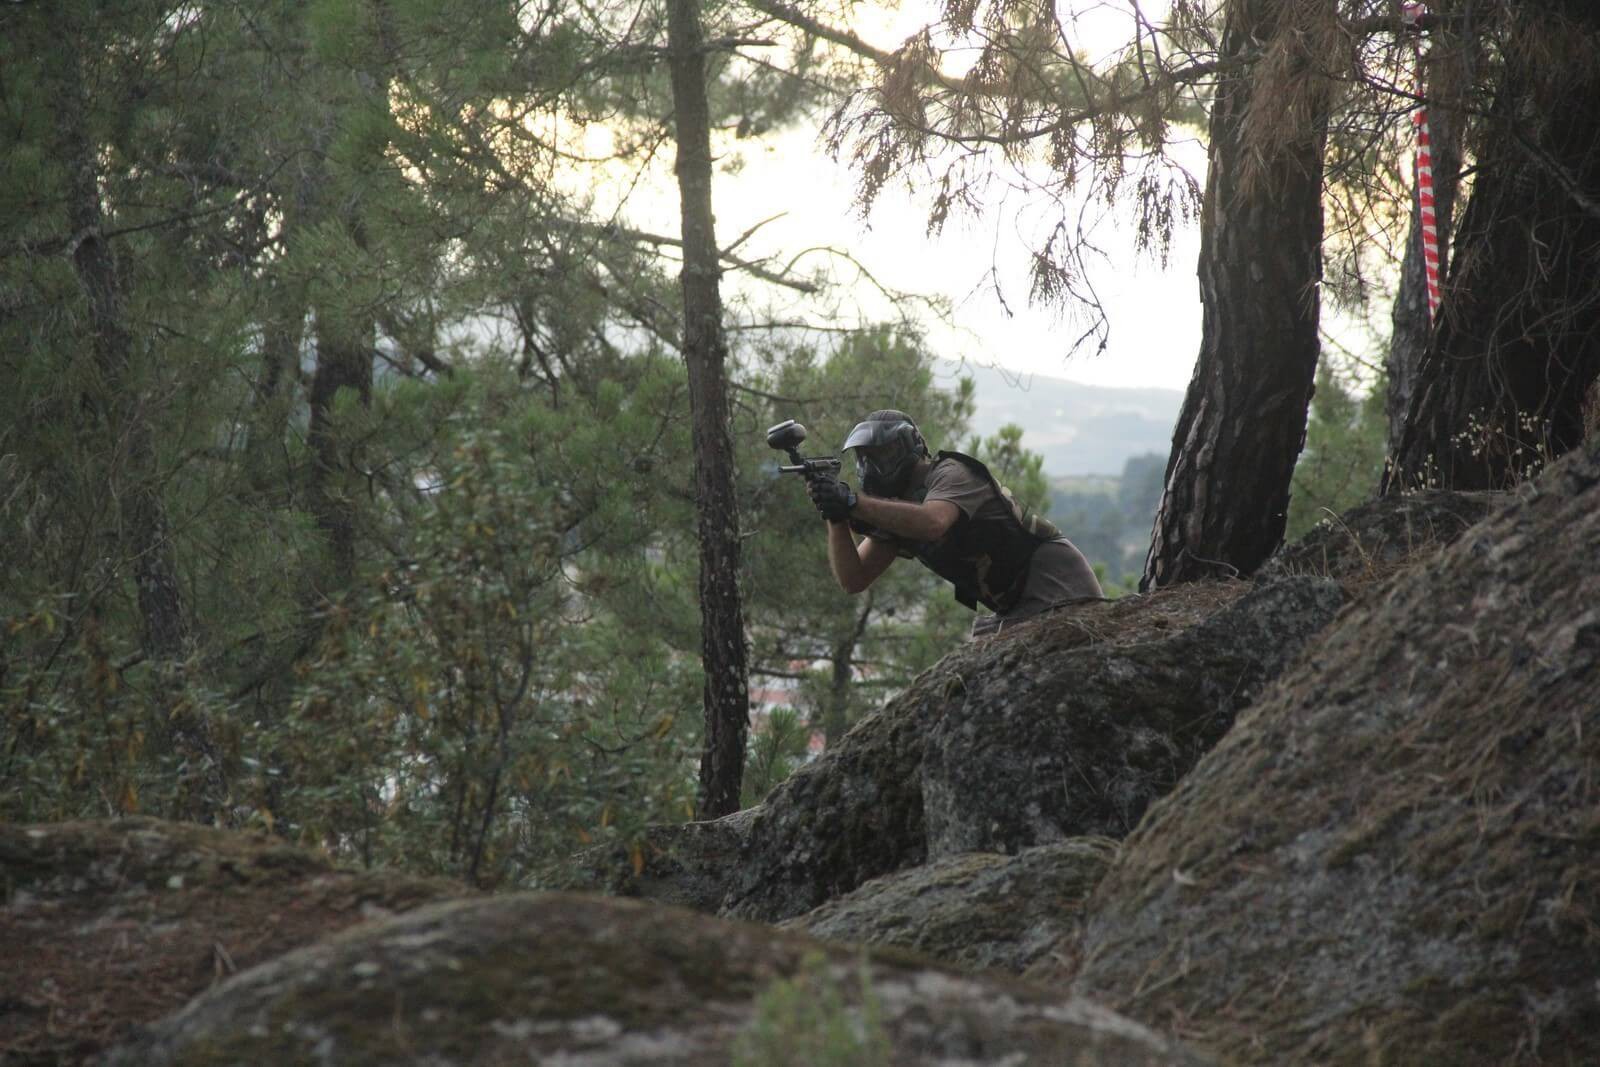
(1242,425)
(344,361)
(283,330)
(835,719)
(142,513)
(132,479)
(727,689)
(345,340)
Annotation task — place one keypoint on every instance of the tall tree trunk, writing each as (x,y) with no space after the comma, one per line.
(1505,377)
(705,349)
(283,329)
(118,399)
(1447,78)
(344,361)
(1226,494)
(122,409)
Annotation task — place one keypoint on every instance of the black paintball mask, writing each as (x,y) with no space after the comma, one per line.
(887,446)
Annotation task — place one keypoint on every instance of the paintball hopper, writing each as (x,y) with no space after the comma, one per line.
(787,437)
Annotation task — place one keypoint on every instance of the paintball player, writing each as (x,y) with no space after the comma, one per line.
(946,511)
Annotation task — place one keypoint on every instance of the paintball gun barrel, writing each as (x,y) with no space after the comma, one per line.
(787,437)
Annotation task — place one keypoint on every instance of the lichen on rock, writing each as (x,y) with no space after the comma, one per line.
(1395,855)
(873,805)
(1079,742)
(569,978)
(979,909)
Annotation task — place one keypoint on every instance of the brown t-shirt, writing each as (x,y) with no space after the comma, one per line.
(1059,572)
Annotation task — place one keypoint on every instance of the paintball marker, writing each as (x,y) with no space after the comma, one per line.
(788,436)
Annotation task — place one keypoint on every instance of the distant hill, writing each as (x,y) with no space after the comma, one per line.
(1079,429)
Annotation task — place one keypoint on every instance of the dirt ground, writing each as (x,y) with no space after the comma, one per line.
(106,926)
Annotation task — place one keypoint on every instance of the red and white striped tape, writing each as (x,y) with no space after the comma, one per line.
(1412,15)
(1430,221)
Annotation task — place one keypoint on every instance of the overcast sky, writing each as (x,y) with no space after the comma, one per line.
(1154,313)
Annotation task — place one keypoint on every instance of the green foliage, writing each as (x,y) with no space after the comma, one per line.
(436,609)
(1113,588)
(779,743)
(809,1021)
(1343,457)
(507,718)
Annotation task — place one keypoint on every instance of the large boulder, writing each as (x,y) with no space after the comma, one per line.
(1394,857)
(979,910)
(109,924)
(1053,743)
(580,979)
(858,812)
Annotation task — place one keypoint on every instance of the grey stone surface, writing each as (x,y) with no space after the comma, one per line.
(1395,855)
(862,809)
(979,909)
(1079,744)
(578,979)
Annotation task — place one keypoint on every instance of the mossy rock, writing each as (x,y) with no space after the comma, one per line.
(1079,742)
(860,811)
(981,910)
(570,978)
(1394,857)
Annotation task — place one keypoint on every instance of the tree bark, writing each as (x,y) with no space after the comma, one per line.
(1226,494)
(836,719)
(727,690)
(121,407)
(1505,376)
(283,330)
(344,361)
(118,400)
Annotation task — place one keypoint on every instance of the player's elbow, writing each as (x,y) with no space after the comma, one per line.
(936,522)
(853,583)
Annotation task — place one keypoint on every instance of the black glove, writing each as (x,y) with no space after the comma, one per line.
(833,498)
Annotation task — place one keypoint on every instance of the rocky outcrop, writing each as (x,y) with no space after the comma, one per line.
(578,979)
(979,910)
(1048,745)
(1373,540)
(893,790)
(121,922)
(1395,856)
